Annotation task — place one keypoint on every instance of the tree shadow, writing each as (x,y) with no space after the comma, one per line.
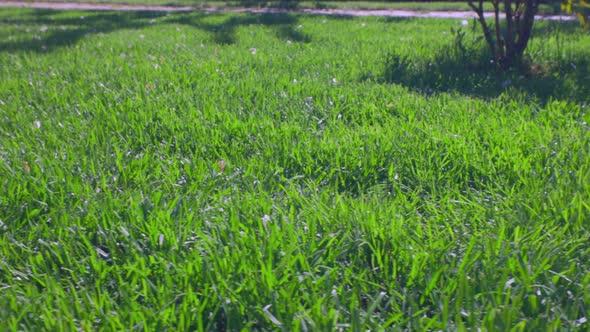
(395,19)
(283,24)
(283,4)
(471,72)
(56,30)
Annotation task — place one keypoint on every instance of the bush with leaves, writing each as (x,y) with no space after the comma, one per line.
(580,7)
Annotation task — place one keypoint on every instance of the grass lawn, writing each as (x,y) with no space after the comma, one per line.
(194,171)
(371,5)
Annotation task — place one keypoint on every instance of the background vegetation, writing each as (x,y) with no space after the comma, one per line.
(546,8)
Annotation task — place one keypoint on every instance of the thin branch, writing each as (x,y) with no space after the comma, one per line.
(482,20)
(509,36)
(499,49)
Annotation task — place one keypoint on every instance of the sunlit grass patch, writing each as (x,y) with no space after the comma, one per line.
(207,171)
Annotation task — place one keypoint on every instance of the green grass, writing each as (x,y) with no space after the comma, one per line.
(367,5)
(419,6)
(231,171)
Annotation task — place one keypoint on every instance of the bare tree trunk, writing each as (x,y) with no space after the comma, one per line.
(528,18)
(511,34)
(482,21)
(499,54)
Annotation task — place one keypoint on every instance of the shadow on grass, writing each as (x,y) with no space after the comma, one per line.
(471,72)
(48,30)
(283,4)
(283,24)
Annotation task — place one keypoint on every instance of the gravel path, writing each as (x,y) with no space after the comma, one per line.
(345,12)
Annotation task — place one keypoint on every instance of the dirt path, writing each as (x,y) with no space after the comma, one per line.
(345,12)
